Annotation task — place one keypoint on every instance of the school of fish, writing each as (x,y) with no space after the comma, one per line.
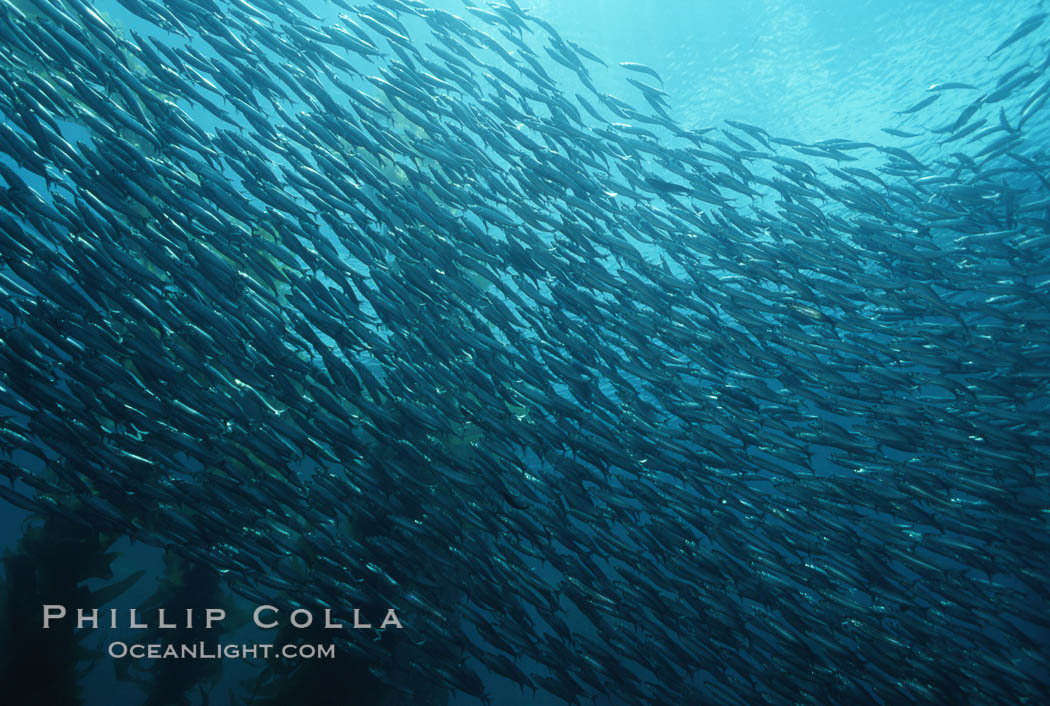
(395,307)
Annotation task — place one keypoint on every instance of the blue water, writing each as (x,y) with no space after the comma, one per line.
(808,70)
